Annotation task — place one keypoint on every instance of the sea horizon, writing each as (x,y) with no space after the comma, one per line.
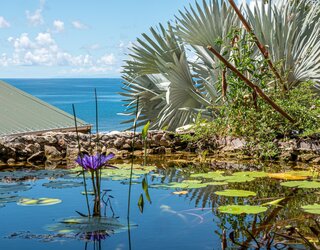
(63,92)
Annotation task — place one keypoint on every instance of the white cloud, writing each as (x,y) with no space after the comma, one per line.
(78,25)
(43,50)
(58,26)
(35,18)
(107,59)
(4,23)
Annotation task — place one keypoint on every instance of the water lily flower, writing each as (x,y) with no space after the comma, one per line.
(94,162)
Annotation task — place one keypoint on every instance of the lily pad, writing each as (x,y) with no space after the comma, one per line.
(253,174)
(180,192)
(122,172)
(292,175)
(216,183)
(38,202)
(81,225)
(88,192)
(170,185)
(312,209)
(235,193)
(6,198)
(238,178)
(217,175)
(33,174)
(242,209)
(8,188)
(301,184)
(62,184)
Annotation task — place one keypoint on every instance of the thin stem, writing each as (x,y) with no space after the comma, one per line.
(79,149)
(251,85)
(261,47)
(97,117)
(98,190)
(132,156)
(145,153)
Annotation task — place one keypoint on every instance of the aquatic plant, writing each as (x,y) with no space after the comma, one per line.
(93,164)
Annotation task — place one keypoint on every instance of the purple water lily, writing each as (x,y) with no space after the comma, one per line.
(94,162)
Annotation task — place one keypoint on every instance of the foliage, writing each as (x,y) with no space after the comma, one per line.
(244,115)
(178,79)
(242,209)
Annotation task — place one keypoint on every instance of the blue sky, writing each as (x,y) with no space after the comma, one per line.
(74,38)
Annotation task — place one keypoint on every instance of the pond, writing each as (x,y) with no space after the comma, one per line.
(191,207)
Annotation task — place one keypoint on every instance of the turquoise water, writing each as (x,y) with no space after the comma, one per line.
(62,93)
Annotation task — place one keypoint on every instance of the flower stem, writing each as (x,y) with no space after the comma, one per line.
(79,149)
(132,158)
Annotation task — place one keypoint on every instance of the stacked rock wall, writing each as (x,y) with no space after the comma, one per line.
(53,149)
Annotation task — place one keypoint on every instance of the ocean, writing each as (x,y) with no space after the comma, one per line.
(62,93)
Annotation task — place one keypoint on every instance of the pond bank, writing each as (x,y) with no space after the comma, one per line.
(53,149)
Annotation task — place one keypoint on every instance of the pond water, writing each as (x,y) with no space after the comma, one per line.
(187,211)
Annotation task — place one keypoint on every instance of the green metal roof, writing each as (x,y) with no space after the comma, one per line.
(21,113)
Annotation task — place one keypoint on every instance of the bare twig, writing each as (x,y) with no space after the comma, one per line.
(261,47)
(251,85)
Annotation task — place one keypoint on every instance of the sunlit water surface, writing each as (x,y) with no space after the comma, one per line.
(172,221)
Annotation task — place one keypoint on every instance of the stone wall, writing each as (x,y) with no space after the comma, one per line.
(53,149)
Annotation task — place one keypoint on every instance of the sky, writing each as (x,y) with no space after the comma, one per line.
(75,38)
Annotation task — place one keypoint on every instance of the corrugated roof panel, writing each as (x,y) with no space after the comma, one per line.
(24,113)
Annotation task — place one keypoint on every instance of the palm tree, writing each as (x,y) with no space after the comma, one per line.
(176,77)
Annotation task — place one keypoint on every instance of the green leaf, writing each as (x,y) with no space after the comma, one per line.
(312,209)
(301,184)
(38,202)
(146,189)
(235,193)
(273,203)
(145,130)
(242,209)
(141,203)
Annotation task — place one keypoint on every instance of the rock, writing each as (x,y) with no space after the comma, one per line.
(52,154)
(306,157)
(11,161)
(126,146)
(118,143)
(316,160)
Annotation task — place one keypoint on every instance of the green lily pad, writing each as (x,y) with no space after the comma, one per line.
(122,172)
(38,202)
(62,184)
(170,185)
(88,192)
(253,174)
(209,175)
(8,188)
(235,193)
(33,174)
(242,209)
(81,225)
(238,178)
(216,183)
(301,184)
(312,209)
